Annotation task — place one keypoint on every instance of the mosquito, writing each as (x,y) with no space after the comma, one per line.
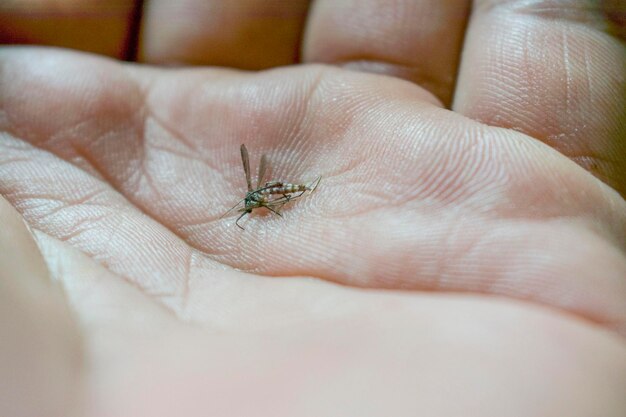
(272,195)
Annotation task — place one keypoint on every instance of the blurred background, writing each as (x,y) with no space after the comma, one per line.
(105,27)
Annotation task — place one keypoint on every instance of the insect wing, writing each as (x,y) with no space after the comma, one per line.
(246,165)
(262,169)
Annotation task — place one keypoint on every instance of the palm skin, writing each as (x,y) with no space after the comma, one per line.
(123,172)
(451,263)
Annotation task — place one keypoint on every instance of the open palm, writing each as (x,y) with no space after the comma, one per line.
(443,265)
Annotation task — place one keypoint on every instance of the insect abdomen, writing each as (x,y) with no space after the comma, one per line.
(284,188)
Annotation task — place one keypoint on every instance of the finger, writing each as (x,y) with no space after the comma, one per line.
(375,354)
(40,355)
(416,40)
(290,324)
(249,34)
(302,325)
(552,70)
(103,27)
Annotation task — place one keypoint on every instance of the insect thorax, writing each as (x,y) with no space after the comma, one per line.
(253,198)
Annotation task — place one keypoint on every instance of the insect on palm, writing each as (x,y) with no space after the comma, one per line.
(272,195)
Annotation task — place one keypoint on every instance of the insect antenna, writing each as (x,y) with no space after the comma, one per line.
(233,207)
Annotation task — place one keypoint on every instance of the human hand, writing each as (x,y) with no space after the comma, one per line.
(124,171)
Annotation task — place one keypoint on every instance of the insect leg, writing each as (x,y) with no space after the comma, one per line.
(274,211)
(239,218)
(233,207)
(293,197)
(281,200)
(315,183)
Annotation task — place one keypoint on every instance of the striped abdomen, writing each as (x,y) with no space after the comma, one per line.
(283,188)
